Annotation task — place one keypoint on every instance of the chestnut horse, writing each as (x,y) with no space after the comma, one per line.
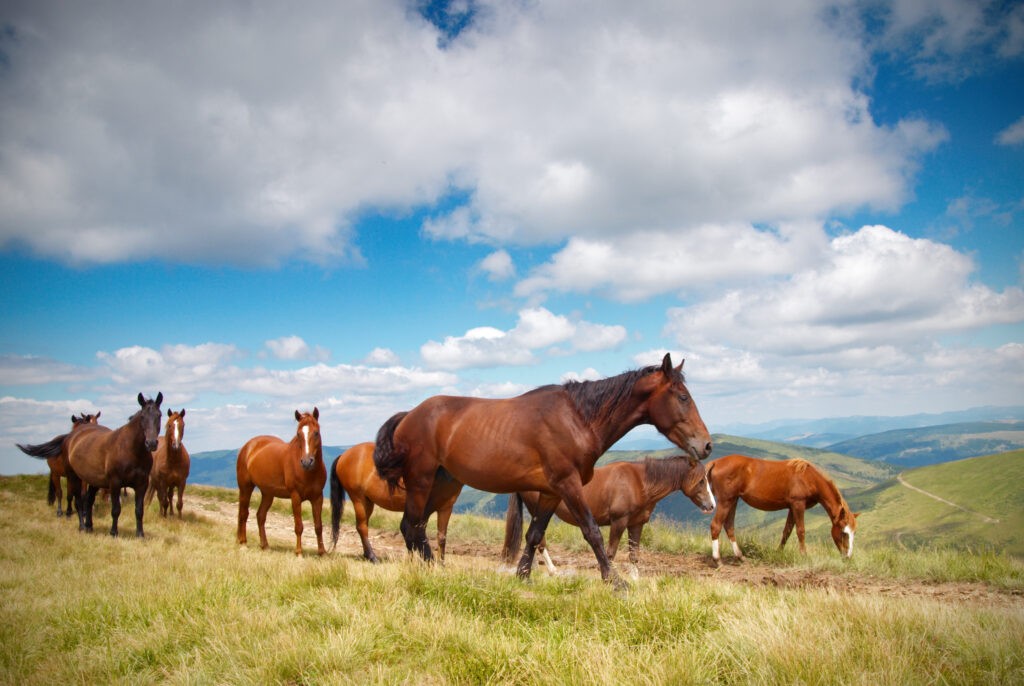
(622,496)
(55,455)
(292,470)
(775,485)
(114,459)
(170,465)
(546,440)
(353,471)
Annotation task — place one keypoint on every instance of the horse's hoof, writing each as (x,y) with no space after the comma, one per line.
(718,564)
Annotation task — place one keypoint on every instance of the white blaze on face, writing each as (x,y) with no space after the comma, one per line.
(305,434)
(707,485)
(849,546)
(176,436)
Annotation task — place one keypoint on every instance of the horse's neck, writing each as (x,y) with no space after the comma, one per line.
(626,417)
(829,496)
(132,433)
(658,485)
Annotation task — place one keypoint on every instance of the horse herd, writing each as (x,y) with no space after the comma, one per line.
(540,447)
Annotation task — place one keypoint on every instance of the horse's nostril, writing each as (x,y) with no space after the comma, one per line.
(707,449)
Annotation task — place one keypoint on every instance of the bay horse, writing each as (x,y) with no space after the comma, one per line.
(794,484)
(170,465)
(354,472)
(54,454)
(292,470)
(621,496)
(545,440)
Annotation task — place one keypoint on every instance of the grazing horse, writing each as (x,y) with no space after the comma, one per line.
(170,465)
(353,471)
(55,454)
(546,440)
(775,485)
(292,470)
(622,496)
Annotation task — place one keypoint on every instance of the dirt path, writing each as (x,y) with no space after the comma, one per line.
(987,519)
(388,544)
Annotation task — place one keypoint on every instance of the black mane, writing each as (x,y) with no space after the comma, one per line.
(596,400)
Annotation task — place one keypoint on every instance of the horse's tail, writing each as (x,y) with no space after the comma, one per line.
(513,529)
(51,492)
(44,451)
(390,463)
(337,502)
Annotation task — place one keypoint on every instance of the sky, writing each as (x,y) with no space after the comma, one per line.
(254,208)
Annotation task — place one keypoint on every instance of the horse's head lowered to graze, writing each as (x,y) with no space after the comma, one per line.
(844,526)
(174,430)
(696,486)
(308,436)
(674,413)
(149,415)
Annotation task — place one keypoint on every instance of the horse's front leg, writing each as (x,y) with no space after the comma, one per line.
(297,515)
(181,493)
(798,515)
(140,505)
(546,505)
(788,529)
(115,506)
(318,524)
(572,495)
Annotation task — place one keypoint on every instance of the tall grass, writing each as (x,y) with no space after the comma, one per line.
(188,606)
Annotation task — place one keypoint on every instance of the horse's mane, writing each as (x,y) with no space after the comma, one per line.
(800,465)
(665,471)
(596,400)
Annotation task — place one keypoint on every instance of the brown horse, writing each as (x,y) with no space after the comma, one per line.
(170,465)
(353,471)
(114,459)
(292,470)
(776,485)
(55,453)
(622,496)
(545,440)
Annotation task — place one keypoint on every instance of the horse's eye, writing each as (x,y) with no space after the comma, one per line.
(683,398)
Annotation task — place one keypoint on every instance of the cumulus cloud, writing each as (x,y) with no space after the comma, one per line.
(381,357)
(876,287)
(1012,134)
(498,266)
(294,348)
(537,328)
(31,370)
(257,137)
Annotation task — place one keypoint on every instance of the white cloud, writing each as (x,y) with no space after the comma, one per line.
(381,357)
(588,374)
(498,266)
(294,348)
(637,266)
(537,328)
(255,137)
(30,370)
(1012,134)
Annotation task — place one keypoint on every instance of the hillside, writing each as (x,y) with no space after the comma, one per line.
(990,487)
(935,444)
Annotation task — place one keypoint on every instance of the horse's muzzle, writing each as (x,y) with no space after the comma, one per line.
(151,445)
(307,464)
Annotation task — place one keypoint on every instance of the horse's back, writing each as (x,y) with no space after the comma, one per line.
(763,484)
(257,457)
(86,452)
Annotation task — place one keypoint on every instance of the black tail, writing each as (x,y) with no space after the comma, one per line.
(44,451)
(513,529)
(337,503)
(389,462)
(51,493)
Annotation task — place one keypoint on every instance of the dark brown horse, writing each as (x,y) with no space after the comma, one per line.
(292,470)
(795,485)
(170,465)
(353,472)
(102,458)
(621,496)
(55,453)
(546,440)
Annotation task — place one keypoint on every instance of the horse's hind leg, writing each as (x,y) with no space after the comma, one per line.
(730,531)
(297,515)
(364,508)
(787,529)
(244,496)
(634,542)
(266,500)
(414,522)
(615,531)
(572,495)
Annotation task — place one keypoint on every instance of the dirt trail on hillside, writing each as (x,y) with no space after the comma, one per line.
(388,545)
(986,518)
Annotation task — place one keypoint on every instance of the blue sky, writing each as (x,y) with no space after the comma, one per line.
(364,204)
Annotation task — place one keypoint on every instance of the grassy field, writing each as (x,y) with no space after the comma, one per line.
(188,606)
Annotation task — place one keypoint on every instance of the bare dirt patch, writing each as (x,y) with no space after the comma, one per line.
(388,544)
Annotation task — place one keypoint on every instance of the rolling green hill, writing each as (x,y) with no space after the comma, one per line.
(934,444)
(990,487)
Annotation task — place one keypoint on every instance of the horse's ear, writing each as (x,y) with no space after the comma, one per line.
(298,417)
(316,413)
(182,413)
(666,365)
(169,412)
(98,414)
(680,367)
(159,398)
(74,419)
(856,514)
(142,401)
